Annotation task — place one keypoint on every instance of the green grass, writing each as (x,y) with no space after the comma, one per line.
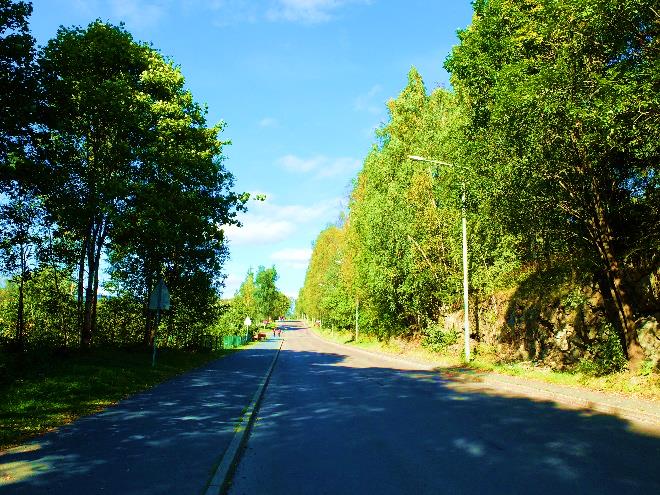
(646,386)
(42,391)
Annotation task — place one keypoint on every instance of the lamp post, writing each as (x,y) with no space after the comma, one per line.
(466,319)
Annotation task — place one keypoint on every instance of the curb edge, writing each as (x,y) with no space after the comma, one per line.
(601,407)
(220,480)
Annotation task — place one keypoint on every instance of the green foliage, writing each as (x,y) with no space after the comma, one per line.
(552,92)
(574,299)
(438,339)
(49,310)
(257,298)
(551,133)
(605,354)
(124,163)
(78,384)
(327,294)
(121,321)
(17,83)
(266,294)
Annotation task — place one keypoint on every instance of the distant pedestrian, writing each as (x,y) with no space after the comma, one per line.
(279,332)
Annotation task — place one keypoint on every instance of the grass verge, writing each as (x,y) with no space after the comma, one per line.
(42,391)
(644,386)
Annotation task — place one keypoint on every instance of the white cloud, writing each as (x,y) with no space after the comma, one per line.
(339,166)
(306,11)
(259,231)
(268,122)
(368,101)
(293,163)
(293,258)
(233,282)
(323,166)
(268,223)
(298,11)
(138,14)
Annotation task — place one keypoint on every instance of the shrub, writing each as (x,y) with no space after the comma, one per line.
(438,339)
(605,354)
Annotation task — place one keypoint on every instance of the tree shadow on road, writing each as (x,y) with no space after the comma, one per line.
(349,429)
(332,427)
(165,440)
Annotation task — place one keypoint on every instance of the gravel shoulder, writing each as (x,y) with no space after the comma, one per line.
(644,414)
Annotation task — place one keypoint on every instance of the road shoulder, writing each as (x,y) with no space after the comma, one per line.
(644,413)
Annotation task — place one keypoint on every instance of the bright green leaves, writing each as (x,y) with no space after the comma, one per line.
(552,134)
(258,298)
(128,165)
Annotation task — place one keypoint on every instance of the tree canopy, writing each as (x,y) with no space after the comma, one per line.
(106,154)
(551,130)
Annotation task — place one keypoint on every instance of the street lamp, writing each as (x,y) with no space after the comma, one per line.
(466,319)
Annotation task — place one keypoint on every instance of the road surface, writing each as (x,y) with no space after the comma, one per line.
(336,421)
(167,440)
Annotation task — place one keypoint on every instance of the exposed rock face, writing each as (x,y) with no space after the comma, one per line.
(558,327)
(649,338)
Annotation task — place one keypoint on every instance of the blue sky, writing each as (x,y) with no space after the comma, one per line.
(302,84)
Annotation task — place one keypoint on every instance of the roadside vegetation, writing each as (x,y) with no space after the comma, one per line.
(257,297)
(551,131)
(644,384)
(111,180)
(42,391)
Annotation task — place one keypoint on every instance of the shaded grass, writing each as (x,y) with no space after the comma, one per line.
(625,382)
(41,391)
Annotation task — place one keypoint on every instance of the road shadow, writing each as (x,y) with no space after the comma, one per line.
(165,440)
(335,428)
(346,429)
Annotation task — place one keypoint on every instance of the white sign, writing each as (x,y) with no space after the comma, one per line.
(247,322)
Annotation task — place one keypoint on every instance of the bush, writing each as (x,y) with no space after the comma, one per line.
(437,339)
(605,354)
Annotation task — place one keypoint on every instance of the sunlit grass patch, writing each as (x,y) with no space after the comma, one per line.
(42,391)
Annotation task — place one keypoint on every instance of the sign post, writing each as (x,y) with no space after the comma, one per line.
(158,300)
(247,324)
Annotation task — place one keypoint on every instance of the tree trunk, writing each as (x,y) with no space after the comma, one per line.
(148,323)
(20,319)
(86,331)
(617,287)
(81,287)
(97,261)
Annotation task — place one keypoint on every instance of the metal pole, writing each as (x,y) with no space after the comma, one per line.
(357,305)
(466,322)
(153,355)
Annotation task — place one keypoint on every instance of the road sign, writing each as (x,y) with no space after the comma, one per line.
(247,322)
(160,297)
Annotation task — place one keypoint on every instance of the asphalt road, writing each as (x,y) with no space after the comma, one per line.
(165,441)
(335,421)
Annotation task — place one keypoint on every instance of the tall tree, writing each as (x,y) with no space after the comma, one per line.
(266,293)
(96,109)
(17,82)
(180,198)
(404,257)
(21,233)
(563,97)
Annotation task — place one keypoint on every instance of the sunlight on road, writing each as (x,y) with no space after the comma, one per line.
(13,472)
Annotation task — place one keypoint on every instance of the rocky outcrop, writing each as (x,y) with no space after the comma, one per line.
(557,325)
